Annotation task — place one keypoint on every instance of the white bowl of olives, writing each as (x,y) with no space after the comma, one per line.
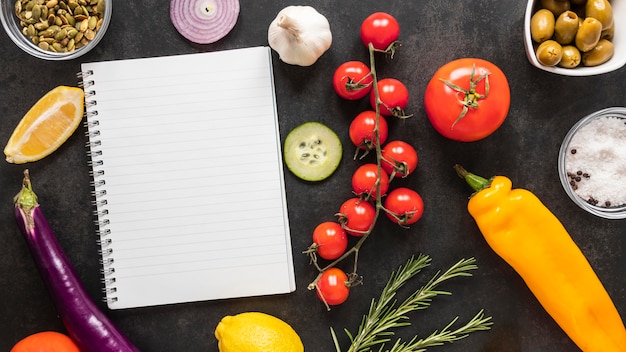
(576,37)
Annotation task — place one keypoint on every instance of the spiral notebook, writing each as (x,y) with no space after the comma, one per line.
(187,178)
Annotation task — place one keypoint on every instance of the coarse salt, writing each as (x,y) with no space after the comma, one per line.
(596,162)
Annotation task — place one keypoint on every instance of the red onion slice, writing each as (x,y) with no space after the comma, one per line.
(204,21)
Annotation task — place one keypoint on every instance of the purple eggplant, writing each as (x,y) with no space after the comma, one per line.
(86,324)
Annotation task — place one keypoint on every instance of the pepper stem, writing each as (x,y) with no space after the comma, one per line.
(26,198)
(476,182)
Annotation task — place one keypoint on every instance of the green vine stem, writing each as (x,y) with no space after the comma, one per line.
(353,277)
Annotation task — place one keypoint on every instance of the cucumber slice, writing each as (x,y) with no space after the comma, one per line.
(312,151)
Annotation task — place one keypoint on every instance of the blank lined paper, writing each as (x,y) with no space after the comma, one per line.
(188,177)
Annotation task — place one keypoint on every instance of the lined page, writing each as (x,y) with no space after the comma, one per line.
(189,153)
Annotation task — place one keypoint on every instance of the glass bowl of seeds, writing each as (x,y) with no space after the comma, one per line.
(592,163)
(55,29)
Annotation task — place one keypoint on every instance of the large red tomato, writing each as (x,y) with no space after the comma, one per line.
(467,99)
(49,341)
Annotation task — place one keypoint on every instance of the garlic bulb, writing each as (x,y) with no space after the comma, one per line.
(300,35)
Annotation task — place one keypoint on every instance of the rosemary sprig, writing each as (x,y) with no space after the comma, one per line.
(384,315)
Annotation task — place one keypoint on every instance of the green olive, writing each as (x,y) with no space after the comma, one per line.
(571,57)
(549,53)
(542,25)
(588,34)
(566,27)
(557,7)
(600,10)
(600,54)
(608,33)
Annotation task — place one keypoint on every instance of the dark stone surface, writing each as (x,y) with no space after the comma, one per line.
(543,108)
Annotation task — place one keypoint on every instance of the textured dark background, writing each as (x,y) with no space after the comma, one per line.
(543,108)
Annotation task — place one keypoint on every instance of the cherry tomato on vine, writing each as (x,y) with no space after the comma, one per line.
(467,99)
(352,80)
(331,240)
(364,181)
(356,216)
(393,95)
(381,29)
(332,286)
(404,206)
(362,130)
(400,157)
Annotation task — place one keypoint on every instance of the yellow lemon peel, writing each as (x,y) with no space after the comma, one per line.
(256,332)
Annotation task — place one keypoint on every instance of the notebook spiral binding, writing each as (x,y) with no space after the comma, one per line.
(98,185)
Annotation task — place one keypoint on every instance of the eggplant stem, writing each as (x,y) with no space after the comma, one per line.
(26,198)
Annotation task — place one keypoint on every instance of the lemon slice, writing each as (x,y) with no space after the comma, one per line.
(47,125)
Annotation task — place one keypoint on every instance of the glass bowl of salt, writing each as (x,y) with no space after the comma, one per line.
(592,163)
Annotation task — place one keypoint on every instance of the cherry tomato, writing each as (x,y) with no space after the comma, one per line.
(364,181)
(399,157)
(356,216)
(332,286)
(404,206)
(393,95)
(467,99)
(381,29)
(352,80)
(331,240)
(362,130)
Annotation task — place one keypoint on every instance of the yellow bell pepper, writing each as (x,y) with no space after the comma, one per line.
(523,232)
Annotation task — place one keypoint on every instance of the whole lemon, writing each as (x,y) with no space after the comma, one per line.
(256,332)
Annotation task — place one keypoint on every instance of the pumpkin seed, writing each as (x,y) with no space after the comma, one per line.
(84,25)
(60,35)
(93,20)
(90,34)
(31,31)
(36,12)
(70,19)
(40,26)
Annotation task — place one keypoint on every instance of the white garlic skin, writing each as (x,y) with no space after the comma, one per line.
(300,35)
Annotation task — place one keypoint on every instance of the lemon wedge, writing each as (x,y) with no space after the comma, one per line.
(47,125)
